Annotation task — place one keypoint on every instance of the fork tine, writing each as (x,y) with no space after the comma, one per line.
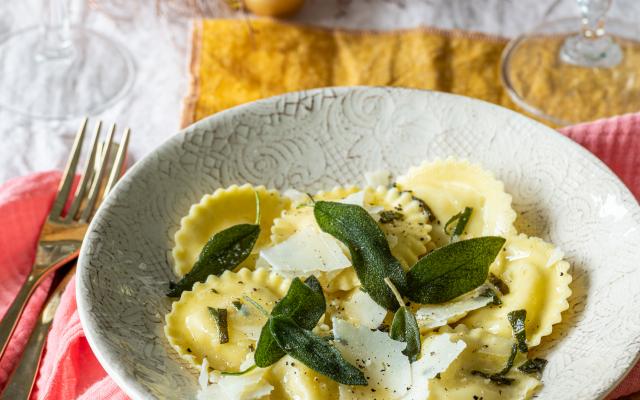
(86,176)
(118,163)
(69,173)
(97,181)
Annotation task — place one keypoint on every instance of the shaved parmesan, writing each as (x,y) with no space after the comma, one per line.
(203,379)
(306,250)
(435,315)
(360,309)
(296,196)
(357,199)
(377,178)
(438,352)
(378,356)
(248,386)
(555,256)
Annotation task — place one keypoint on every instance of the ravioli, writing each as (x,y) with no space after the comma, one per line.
(192,331)
(458,337)
(538,281)
(220,210)
(405,225)
(486,353)
(430,316)
(293,380)
(448,186)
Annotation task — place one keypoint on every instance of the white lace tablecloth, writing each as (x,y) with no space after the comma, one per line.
(158,37)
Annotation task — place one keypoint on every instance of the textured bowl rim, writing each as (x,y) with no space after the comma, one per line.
(137,391)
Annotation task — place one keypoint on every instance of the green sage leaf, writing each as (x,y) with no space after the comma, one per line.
(534,366)
(431,217)
(220,316)
(370,253)
(517,320)
(404,328)
(495,299)
(499,284)
(314,352)
(389,216)
(512,358)
(452,270)
(305,304)
(461,219)
(224,251)
(251,368)
(499,378)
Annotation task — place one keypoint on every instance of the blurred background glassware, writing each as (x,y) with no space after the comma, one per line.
(575,62)
(6,20)
(58,71)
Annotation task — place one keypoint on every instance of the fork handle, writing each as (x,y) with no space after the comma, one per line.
(22,379)
(11,317)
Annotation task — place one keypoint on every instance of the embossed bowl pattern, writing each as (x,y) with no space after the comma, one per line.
(325,137)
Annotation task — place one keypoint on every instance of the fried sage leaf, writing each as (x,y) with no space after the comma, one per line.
(389,216)
(370,253)
(517,320)
(452,270)
(314,351)
(499,284)
(224,251)
(304,303)
(533,366)
(499,378)
(461,220)
(404,328)
(238,373)
(495,299)
(220,316)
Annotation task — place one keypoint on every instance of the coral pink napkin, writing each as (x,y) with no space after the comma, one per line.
(69,369)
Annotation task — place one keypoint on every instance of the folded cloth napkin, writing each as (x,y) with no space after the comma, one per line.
(70,370)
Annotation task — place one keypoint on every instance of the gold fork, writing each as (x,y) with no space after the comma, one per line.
(62,233)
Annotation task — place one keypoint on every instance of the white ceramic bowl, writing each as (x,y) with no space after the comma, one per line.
(321,138)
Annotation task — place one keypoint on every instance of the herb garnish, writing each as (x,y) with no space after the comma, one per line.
(288,331)
(534,366)
(452,270)
(462,219)
(517,320)
(220,316)
(404,327)
(313,351)
(251,368)
(499,378)
(431,217)
(499,284)
(370,253)
(389,216)
(224,251)
(495,299)
(304,303)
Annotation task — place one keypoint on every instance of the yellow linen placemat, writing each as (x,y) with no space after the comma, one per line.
(237,61)
(233,62)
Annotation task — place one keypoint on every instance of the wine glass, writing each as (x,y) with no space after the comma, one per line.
(58,71)
(574,70)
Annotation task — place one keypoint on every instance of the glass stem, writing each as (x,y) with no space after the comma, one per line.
(56,34)
(592,47)
(593,13)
